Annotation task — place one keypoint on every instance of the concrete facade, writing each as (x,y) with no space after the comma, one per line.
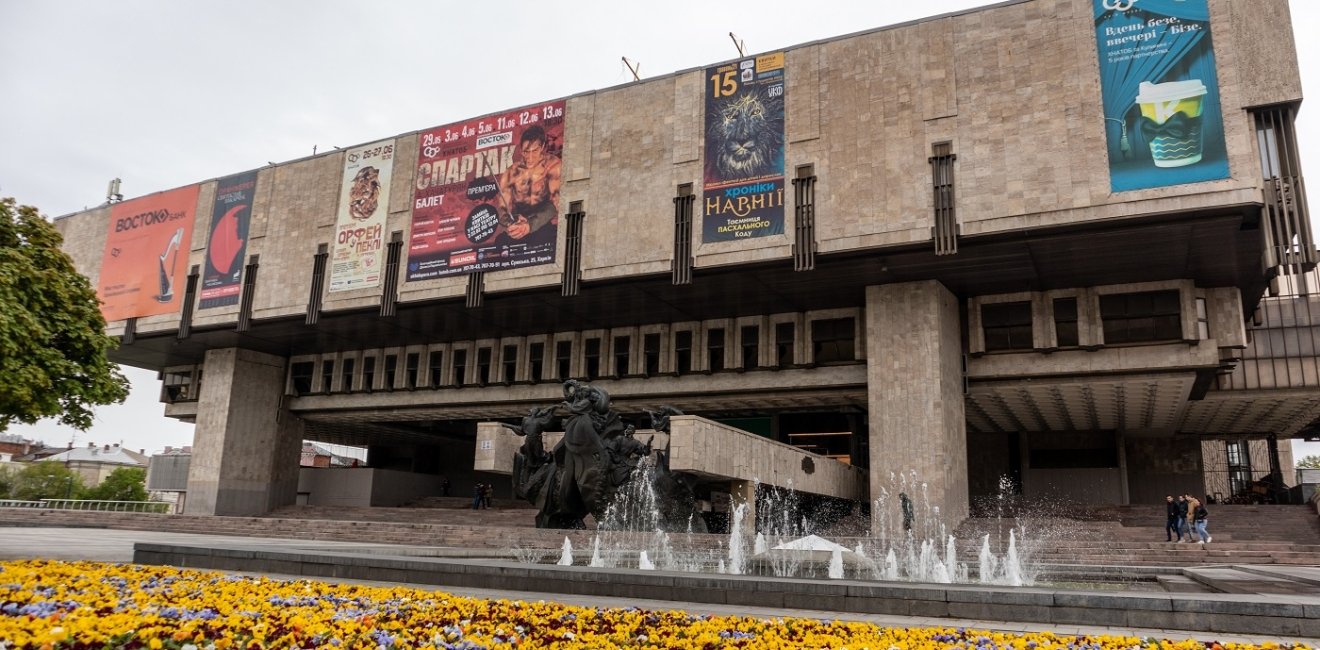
(850,336)
(246,445)
(916,405)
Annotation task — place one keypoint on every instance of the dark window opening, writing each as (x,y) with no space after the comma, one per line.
(327,375)
(564,359)
(1141,317)
(651,354)
(178,387)
(1239,467)
(1007,326)
(460,367)
(346,374)
(715,350)
(621,355)
(391,370)
(682,264)
(833,340)
(368,373)
(510,359)
(536,352)
(784,335)
(683,352)
(410,364)
(804,210)
(1065,322)
(1289,239)
(750,336)
(591,352)
(483,365)
(436,364)
(572,278)
(1202,319)
(945,230)
(301,373)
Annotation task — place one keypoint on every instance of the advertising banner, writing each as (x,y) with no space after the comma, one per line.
(364,202)
(487,193)
(744,172)
(230,215)
(146,255)
(1163,124)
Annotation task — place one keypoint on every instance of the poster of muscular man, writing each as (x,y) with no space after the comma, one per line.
(487,193)
(744,172)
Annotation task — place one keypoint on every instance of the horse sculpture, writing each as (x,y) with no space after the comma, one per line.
(587,468)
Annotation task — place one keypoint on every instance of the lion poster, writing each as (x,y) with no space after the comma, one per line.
(364,201)
(744,168)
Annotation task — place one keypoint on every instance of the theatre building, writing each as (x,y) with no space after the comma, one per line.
(1060,241)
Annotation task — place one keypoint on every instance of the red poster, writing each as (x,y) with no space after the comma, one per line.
(487,193)
(144,266)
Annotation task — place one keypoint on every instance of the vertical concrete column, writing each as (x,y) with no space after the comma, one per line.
(915,391)
(246,445)
(743,492)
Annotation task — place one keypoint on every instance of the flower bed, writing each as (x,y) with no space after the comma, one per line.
(50,605)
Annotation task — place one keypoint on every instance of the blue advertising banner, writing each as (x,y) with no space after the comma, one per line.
(1163,124)
(229,234)
(744,172)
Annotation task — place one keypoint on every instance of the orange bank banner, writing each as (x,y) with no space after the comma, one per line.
(144,266)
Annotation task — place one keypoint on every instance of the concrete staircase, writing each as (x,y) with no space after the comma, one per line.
(1133,536)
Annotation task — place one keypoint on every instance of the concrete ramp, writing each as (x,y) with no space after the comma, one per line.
(1245,580)
(712,451)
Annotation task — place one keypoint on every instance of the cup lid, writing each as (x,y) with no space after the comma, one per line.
(1151,93)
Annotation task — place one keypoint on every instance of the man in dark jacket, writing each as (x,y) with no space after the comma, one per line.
(1176,512)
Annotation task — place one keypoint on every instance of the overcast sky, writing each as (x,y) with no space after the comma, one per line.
(164,94)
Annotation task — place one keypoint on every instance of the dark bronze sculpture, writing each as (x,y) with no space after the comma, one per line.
(597,457)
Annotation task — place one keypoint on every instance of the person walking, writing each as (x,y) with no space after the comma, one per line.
(1173,515)
(444,486)
(1188,506)
(1200,515)
(476,496)
(486,491)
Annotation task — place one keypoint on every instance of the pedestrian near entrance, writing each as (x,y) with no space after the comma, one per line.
(444,486)
(476,496)
(906,504)
(1189,511)
(1181,526)
(486,490)
(1173,512)
(1200,515)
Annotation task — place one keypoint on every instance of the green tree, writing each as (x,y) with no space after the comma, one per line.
(123,484)
(7,482)
(47,480)
(52,336)
(1309,462)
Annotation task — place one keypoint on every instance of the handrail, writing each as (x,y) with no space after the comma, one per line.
(98,505)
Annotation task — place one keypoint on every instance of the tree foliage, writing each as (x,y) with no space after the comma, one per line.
(47,480)
(123,484)
(1309,462)
(52,336)
(7,475)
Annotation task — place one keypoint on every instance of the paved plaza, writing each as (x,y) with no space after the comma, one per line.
(117,546)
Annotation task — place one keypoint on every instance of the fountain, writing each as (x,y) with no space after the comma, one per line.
(566,556)
(645,511)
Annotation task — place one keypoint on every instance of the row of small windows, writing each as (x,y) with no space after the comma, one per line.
(1125,318)
(833,340)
